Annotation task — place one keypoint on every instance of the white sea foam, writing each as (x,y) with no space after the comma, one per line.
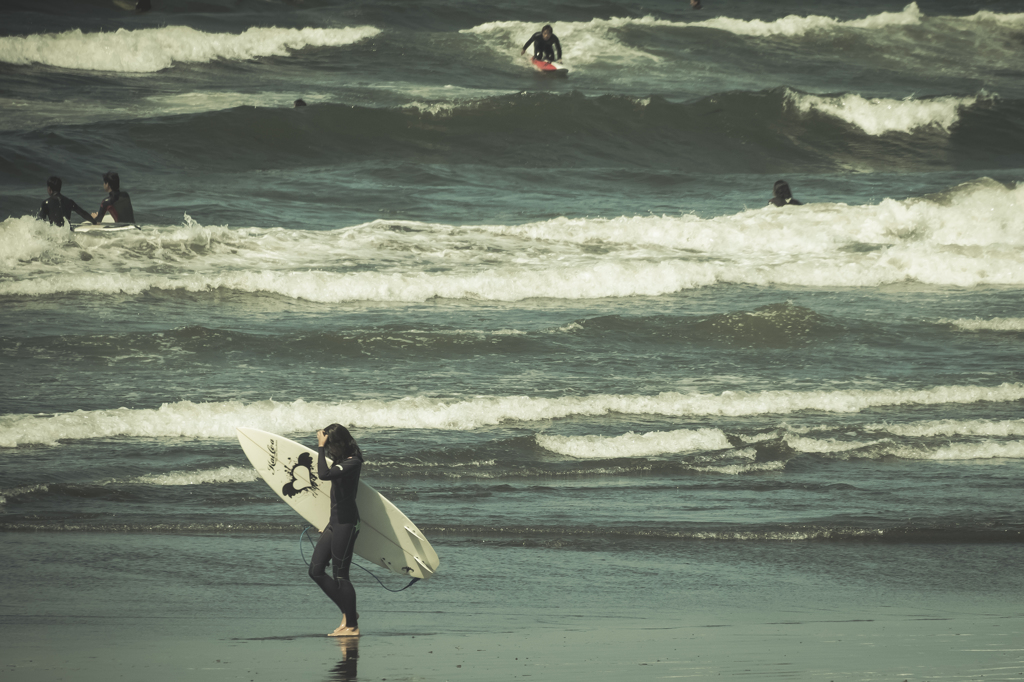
(1011,21)
(21,114)
(819,445)
(228,474)
(745,468)
(24,490)
(793,25)
(582,42)
(878,116)
(154,49)
(968,236)
(634,444)
(999,324)
(25,240)
(950,427)
(965,451)
(218,420)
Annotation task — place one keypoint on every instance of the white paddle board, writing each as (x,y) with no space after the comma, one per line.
(386,536)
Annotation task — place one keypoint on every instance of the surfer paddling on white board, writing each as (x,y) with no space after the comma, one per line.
(339,537)
(782,195)
(118,204)
(545,44)
(57,208)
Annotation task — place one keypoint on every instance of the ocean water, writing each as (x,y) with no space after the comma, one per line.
(555,312)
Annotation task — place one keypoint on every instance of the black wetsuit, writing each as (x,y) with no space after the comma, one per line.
(57,208)
(544,49)
(119,205)
(339,538)
(782,195)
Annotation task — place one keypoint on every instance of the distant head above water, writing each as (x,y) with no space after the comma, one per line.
(782,195)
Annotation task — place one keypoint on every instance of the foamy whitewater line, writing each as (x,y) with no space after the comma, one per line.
(967,450)
(879,115)
(583,42)
(951,427)
(219,420)
(737,469)
(964,451)
(635,444)
(152,49)
(511,283)
(794,26)
(1011,21)
(24,490)
(967,236)
(28,114)
(228,474)
(824,446)
(999,324)
(790,25)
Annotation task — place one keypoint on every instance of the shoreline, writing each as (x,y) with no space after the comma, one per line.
(119,611)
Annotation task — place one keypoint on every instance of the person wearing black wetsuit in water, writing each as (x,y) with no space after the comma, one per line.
(118,204)
(545,43)
(339,538)
(57,208)
(782,196)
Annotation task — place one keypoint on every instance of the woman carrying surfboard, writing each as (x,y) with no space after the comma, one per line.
(339,537)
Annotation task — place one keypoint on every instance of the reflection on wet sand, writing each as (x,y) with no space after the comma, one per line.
(345,670)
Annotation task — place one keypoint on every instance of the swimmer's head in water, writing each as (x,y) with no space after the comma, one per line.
(547,31)
(782,190)
(54,183)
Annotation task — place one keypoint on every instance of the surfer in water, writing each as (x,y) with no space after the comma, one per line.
(336,543)
(782,196)
(545,44)
(57,208)
(117,203)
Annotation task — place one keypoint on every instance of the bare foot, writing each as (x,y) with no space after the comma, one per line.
(339,631)
(345,632)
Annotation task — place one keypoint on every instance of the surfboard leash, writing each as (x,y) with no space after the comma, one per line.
(303,555)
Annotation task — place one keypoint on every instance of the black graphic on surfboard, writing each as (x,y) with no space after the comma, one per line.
(303,479)
(272,449)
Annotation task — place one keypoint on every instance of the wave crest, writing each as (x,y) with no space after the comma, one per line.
(218,420)
(149,50)
(877,116)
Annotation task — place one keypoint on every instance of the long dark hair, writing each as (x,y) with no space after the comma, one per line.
(340,444)
(112,179)
(781,190)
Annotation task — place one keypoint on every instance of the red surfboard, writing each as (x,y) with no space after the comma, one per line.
(548,67)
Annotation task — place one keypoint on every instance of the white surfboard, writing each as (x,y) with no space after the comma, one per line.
(104,227)
(386,536)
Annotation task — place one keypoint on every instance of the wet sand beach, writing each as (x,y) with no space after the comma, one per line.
(510,613)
